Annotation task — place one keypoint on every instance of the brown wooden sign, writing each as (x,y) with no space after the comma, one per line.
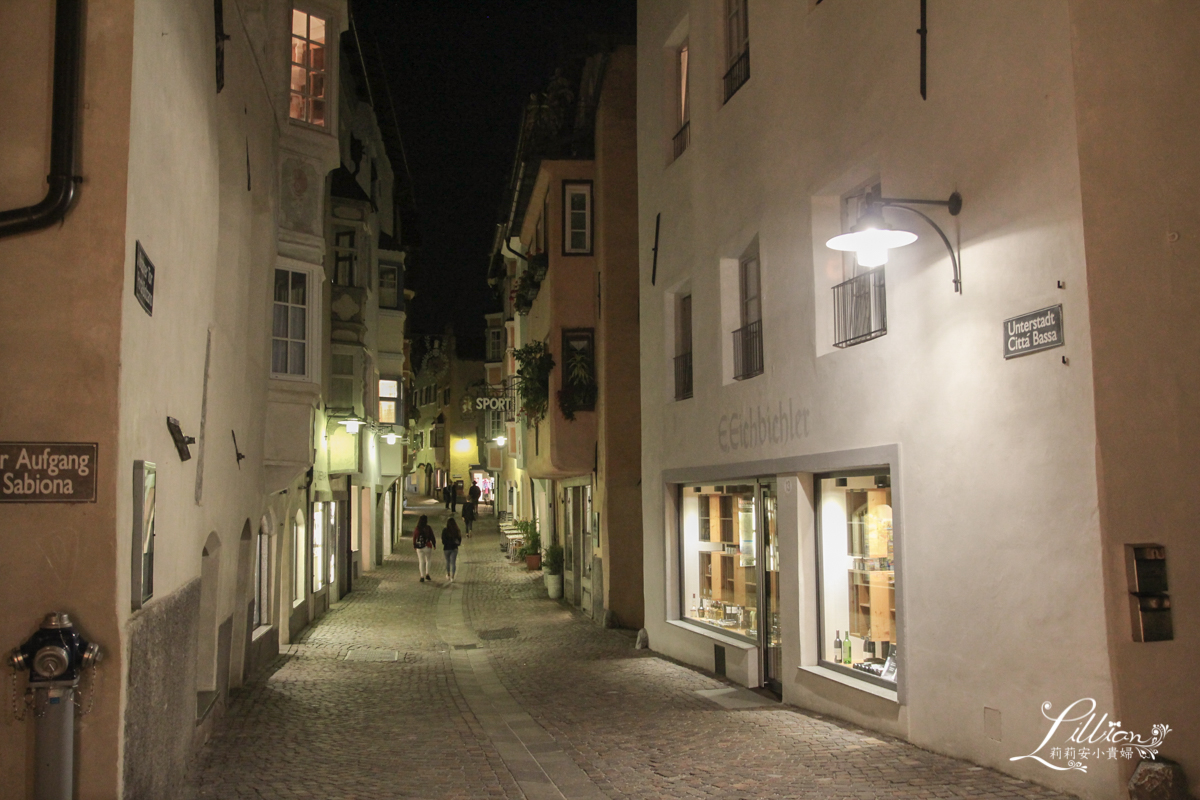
(47,472)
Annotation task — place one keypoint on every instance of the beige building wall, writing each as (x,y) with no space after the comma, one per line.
(618,493)
(60,317)
(1135,70)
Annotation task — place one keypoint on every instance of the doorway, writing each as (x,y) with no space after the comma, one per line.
(768,588)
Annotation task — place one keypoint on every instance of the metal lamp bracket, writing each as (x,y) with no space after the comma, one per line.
(953,204)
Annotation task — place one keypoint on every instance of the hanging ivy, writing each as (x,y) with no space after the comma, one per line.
(534,363)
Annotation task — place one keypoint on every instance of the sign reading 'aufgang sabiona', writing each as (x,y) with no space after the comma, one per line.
(1037,330)
(47,472)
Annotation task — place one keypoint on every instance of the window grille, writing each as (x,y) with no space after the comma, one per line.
(747,351)
(860,309)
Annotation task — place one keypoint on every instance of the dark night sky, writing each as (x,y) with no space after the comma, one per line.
(460,72)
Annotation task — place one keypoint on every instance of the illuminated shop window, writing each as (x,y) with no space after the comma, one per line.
(719,531)
(857,594)
(308,101)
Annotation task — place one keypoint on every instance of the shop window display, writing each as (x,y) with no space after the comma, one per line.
(719,538)
(856,552)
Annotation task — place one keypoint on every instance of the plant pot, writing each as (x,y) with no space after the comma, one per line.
(534,561)
(553,585)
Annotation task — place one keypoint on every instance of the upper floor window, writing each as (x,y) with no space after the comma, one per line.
(389,286)
(683,110)
(308,68)
(345,257)
(737,46)
(577,218)
(683,347)
(495,344)
(389,397)
(747,340)
(289,326)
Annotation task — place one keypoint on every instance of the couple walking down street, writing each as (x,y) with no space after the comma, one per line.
(424,542)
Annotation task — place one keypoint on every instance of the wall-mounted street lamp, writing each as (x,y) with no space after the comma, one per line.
(390,437)
(462,445)
(352,424)
(501,440)
(872,237)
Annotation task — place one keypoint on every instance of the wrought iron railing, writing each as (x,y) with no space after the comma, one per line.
(860,309)
(738,74)
(683,376)
(747,351)
(682,139)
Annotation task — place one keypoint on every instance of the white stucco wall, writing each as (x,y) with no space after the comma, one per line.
(998,565)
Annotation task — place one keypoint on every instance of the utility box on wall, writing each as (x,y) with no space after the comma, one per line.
(1149,602)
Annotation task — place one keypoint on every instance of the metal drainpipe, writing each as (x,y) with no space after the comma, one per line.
(68,57)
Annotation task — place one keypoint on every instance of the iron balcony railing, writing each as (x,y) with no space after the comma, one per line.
(738,74)
(747,351)
(682,139)
(860,309)
(683,376)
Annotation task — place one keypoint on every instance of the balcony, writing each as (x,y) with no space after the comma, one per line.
(860,309)
(747,351)
(738,74)
(683,376)
(682,139)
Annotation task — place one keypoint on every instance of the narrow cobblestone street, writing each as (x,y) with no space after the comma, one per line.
(486,688)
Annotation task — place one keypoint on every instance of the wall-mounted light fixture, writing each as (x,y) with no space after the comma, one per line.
(352,424)
(390,437)
(462,445)
(501,440)
(872,237)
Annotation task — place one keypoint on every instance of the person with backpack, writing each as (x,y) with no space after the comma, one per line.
(451,539)
(424,542)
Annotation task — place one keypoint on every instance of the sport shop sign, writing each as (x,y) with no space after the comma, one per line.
(493,404)
(1037,330)
(47,472)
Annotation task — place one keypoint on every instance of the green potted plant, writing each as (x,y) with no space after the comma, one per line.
(531,551)
(534,362)
(552,567)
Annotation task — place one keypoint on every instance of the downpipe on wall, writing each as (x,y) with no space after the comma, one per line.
(53,658)
(64,128)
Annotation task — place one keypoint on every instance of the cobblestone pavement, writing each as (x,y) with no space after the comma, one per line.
(489,689)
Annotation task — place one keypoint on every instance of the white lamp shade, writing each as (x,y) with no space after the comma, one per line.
(502,440)
(391,438)
(871,245)
(351,425)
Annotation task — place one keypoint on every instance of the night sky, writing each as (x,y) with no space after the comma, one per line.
(460,72)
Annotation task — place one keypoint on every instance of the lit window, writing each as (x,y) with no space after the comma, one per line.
(577,218)
(389,286)
(318,546)
(289,325)
(298,560)
(683,111)
(389,391)
(855,553)
(308,68)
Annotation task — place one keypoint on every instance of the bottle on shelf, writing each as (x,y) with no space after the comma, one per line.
(837,646)
(847,654)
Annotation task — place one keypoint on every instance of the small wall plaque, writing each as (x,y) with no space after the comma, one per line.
(47,472)
(1033,332)
(143,279)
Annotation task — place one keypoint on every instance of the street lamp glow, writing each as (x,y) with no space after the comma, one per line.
(871,243)
(501,440)
(462,445)
(352,424)
(391,438)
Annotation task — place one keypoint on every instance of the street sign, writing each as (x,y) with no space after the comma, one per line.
(1032,332)
(494,403)
(143,279)
(47,472)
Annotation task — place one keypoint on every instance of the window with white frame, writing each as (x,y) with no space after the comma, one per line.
(577,218)
(389,397)
(308,66)
(390,285)
(289,325)
(298,549)
(495,344)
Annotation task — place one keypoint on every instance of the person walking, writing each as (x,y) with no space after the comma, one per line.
(453,489)
(469,507)
(424,542)
(474,493)
(446,490)
(451,539)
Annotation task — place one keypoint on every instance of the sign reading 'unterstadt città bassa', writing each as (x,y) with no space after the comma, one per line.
(47,472)
(1037,330)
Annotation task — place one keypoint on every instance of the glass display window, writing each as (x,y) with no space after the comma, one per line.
(857,577)
(719,542)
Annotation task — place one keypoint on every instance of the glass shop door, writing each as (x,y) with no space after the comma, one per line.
(770,651)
